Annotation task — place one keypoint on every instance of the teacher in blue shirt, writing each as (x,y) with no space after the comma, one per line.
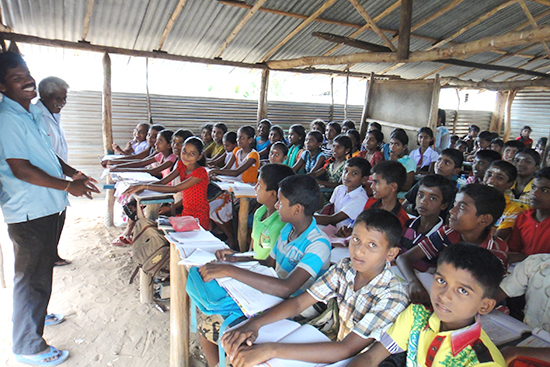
(33,192)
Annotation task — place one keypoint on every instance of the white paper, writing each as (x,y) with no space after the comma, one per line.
(276,331)
(199,258)
(142,177)
(338,253)
(243,190)
(251,300)
(193,237)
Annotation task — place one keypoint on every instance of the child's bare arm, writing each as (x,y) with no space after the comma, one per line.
(298,165)
(319,164)
(511,353)
(405,263)
(235,172)
(317,173)
(373,357)
(214,161)
(333,219)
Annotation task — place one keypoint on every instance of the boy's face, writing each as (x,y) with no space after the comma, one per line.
(462,147)
(380,187)
(369,249)
(330,133)
(262,194)
(480,166)
(463,216)
(445,166)
(525,164)
(525,133)
(429,201)
(19,86)
(539,196)
(276,155)
(496,148)
(217,135)
(497,178)
(457,297)
(482,143)
(473,134)
(228,146)
(397,148)
(352,178)
(286,211)
(509,153)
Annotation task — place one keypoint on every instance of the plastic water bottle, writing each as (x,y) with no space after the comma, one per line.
(461,181)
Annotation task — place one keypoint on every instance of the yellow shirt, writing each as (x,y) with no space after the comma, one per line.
(416,331)
(511,211)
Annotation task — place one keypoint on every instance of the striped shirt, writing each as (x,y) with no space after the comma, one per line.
(370,310)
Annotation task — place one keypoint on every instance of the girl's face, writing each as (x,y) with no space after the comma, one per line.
(244,140)
(161,144)
(177,144)
(190,155)
(424,140)
(140,133)
(353,141)
(547,159)
(274,137)
(525,133)
(371,143)
(206,136)
(293,138)
(276,155)
(263,131)
(339,151)
(311,143)
(397,148)
(331,133)
(217,135)
(152,137)
(316,127)
(228,146)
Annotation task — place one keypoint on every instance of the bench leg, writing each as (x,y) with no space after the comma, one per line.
(145,287)
(179,312)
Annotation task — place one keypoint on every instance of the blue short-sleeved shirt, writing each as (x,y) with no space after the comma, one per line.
(310,160)
(408,163)
(310,251)
(23,136)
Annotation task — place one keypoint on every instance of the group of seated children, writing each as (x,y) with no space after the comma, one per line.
(458,235)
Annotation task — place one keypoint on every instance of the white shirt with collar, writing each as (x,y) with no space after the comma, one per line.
(351,203)
(53,125)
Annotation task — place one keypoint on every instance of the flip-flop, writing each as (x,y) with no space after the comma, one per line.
(41,359)
(122,241)
(62,262)
(54,319)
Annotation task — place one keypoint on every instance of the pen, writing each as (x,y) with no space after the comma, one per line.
(244,254)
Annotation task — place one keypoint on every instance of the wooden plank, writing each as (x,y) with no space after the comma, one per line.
(87,18)
(262,98)
(498,112)
(351,42)
(240,26)
(179,312)
(242,227)
(372,24)
(171,21)
(432,123)
(302,25)
(507,119)
(363,126)
(405,23)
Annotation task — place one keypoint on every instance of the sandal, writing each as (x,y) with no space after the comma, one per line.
(53,319)
(122,241)
(51,358)
(62,262)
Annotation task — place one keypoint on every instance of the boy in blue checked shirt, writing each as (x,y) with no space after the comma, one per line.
(301,254)
(464,286)
(369,299)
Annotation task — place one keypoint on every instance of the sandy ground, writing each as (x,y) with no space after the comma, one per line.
(105,325)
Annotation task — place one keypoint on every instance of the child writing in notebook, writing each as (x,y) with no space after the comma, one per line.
(334,166)
(246,158)
(194,182)
(313,158)
(369,299)
(464,287)
(301,254)
(296,139)
(262,138)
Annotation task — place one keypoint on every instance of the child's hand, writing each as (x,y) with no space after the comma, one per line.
(418,293)
(232,340)
(165,210)
(254,355)
(344,232)
(221,254)
(212,271)
(134,189)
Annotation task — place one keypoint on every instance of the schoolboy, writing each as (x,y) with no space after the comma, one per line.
(483,159)
(399,141)
(369,299)
(462,146)
(447,165)
(301,254)
(464,286)
(511,148)
(435,194)
(278,152)
(524,137)
(216,149)
(387,180)
(349,198)
(476,209)
(527,163)
(497,145)
(531,234)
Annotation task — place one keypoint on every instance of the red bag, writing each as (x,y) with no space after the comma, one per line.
(184,224)
(528,362)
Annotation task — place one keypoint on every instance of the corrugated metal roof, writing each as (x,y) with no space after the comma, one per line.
(203,25)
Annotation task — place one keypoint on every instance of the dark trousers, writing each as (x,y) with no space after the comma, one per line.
(35,246)
(62,217)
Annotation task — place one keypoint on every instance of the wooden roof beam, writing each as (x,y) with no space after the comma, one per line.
(533,22)
(543,2)
(533,60)
(170,24)
(240,26)
(536,69)
(302,25)
(405,23)
(87,18)
(372,24)
(520,84)
(470,48)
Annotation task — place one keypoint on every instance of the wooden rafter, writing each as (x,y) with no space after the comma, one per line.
(533,22)
(367,26)
(473,24)
(405,22)
(240,26)
(372,24)
(485,44)
(543,2)
(519,84)
(302,25)
(87,18)
(528,23)
(171,22)
(535,69)
(525,64)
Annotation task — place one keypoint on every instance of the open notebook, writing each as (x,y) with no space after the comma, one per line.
(539,339)
(502,328)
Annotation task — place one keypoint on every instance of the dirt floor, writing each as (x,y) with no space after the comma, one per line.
(105,324)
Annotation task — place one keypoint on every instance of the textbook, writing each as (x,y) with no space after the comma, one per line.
(141,177)
(539,339)
(502,328)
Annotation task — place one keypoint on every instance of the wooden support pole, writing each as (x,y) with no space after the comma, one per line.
(179,312)
(346,100)
(507,118)
(455,122)
(262,98)
(363,126)
(432,122)
(149,114)
(405,29)
(533,22)
(331,110)
(498,113)
(107,133)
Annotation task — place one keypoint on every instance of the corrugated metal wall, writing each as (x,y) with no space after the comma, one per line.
(467,118)
(531,108)
(81,118)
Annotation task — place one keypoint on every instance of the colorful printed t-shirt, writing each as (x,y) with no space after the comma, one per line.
(194,199)
(265,232)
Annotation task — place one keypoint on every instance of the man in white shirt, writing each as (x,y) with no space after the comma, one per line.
(53,96)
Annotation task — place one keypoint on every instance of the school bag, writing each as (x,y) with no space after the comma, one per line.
(150,250)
